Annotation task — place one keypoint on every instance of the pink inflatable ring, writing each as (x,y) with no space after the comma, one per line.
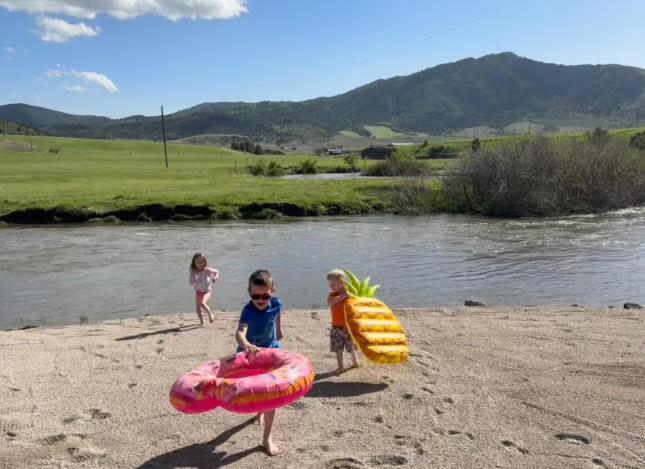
(244,383)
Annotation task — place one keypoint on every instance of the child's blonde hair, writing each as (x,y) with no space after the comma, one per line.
(337,274)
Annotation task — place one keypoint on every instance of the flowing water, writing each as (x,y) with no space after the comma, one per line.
(58,274)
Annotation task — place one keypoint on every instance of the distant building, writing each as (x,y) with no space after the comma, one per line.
(335,151)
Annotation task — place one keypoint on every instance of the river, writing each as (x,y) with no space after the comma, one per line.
(57,274)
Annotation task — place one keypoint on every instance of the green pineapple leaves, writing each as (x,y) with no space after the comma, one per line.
(357,288)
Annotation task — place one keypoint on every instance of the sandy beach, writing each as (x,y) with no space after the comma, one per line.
(484,387)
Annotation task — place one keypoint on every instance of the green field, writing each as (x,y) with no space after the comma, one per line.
(382,132)
(349,134)
(99,176)
(89,178)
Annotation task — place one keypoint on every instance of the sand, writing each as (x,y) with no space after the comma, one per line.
(484,387)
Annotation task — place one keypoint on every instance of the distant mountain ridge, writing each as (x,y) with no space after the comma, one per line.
(494,90)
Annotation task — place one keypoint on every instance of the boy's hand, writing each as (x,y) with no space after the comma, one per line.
(252,349)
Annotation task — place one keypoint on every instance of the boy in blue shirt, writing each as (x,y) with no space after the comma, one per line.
(260,327)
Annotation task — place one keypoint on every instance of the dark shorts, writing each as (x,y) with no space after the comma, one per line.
(339,339)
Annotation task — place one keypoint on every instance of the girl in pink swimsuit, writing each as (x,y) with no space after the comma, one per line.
(202,278)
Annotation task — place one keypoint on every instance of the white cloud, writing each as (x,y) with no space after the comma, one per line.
(11,51)
(76,88)
(55,73)
(89,78)
(96,79)
(174,10)
(57,30)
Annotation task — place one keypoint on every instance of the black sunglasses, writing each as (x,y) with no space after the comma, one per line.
(257,296)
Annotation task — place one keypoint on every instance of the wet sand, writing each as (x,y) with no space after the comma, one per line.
(484,387)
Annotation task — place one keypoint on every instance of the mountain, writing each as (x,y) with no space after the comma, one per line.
(494,90)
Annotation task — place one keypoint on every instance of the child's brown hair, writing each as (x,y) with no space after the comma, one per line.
(261,278)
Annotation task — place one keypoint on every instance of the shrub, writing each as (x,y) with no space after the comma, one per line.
(275,169)
(437,151)
(599,136)
(543,176)
(54,150)
(258,169)
(352,161)
(638,141)
(475,145)
(308,167)
(398,165)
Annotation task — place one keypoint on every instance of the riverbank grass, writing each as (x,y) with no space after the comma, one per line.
(100,176)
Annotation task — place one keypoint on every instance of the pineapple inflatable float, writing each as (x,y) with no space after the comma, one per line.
(376,331)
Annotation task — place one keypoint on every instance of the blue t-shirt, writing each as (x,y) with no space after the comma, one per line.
(261,324)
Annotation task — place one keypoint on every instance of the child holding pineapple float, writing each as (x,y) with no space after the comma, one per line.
(339,337)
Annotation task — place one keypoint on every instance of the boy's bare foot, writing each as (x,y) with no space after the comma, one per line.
(259,419)
(211,318)
(338,371)
(270,447)
(356,365)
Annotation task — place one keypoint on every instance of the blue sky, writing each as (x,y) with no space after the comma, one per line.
(282,49)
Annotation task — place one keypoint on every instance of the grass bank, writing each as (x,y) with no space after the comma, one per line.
(128,179)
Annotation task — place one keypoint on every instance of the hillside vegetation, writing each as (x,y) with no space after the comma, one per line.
(494,90)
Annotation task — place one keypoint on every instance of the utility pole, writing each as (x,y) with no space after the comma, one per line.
(31,144)
(163,129)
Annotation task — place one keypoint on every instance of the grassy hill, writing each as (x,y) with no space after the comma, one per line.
(494,90)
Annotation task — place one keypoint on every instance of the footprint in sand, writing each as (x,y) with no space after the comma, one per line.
(599,462)
(427,389)
(160,341)
(388,460)
(407,396)
(510,445)
(98,414)
(344,463)
(448,400)
(70,419)
(160,349)
(438,411)
(131,385)
(572,438)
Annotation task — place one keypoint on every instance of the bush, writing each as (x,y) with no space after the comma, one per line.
(352,161)
(638,141)
(436,151)
(258,169)
(54,150)
(599,136)
(275,169)
(308,167)
(398,166)
(543,176)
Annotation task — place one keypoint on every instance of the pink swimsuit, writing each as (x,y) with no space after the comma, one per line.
(202,280)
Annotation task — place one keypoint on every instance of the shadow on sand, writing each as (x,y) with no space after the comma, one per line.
(143,335)
(202,455)
(342,388)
